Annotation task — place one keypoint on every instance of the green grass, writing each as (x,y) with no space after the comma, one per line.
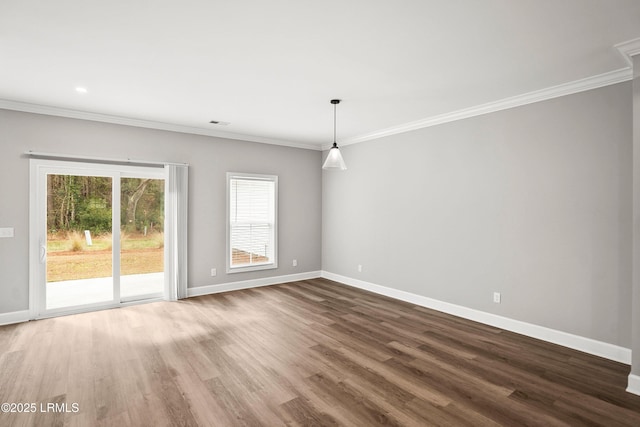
(71,258)
(68,265)
(148,243)
(103,243)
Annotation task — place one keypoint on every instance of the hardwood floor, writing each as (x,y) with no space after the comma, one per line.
(304,353)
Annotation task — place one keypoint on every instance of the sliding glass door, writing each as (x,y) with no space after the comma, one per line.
(79,240)
(141,238)
(100,235)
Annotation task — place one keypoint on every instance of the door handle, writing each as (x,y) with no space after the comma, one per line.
(43,254)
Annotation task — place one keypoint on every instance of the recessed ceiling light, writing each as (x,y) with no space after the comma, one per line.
(81,89)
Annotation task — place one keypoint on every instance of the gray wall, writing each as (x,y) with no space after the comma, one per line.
(533,202)
(210,158)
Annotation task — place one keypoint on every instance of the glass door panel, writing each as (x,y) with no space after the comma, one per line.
(79,268)
(142,238)
(97,236)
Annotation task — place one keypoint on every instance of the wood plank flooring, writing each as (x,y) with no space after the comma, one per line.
(306,353)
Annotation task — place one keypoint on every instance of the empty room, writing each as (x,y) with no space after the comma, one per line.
(354,213)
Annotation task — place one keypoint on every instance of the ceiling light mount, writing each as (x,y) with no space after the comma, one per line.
(334,159)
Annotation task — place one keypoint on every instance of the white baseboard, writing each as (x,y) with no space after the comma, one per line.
(246,284)
(576,342)
(23,316)
(587,345)
(633,385)
(14,317)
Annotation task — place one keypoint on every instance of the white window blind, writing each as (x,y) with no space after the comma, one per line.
(252,222)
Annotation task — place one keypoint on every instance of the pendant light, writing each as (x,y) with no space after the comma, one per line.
(334,159)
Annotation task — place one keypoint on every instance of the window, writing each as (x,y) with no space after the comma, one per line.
(252,225)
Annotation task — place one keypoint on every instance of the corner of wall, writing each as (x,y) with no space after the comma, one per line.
(634,384)
(247,284)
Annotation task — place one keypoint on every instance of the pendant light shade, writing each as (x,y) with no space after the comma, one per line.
(334,160)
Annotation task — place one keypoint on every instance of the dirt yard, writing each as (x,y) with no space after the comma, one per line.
(95,262)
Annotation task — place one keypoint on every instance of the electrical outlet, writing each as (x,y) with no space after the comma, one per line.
(295,262)
(497,297)
(359,268)
(214,272)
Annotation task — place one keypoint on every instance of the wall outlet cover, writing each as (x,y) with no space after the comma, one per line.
(6,232)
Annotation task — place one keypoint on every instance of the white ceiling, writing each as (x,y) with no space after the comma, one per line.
(271,67)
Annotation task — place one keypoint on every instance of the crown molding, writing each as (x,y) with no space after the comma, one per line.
(628,49)
(594,82)
(148,124)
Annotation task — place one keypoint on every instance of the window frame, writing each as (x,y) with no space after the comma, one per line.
(257,267)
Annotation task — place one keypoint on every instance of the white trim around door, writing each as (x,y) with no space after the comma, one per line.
(39,171)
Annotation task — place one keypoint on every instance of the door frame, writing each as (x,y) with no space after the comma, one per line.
(39,169)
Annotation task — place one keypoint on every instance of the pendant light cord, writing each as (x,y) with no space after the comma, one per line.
(334,124)
(335,103)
